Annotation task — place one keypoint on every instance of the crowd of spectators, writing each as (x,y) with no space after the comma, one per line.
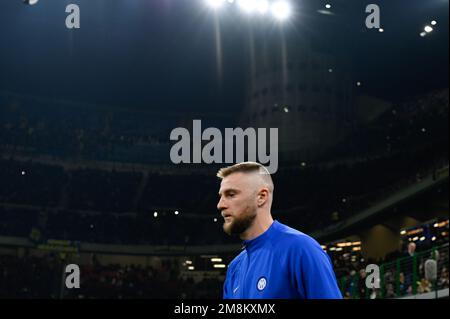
(401,146)
(398,276)
(415,122)
(30,183)
(64,129)
(41,277)
(139,207)
(31,277)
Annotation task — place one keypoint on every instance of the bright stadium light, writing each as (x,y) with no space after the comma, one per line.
(30,2)
(281,10)
(262,6)
(215,4)
(248,6)
(428,29)
(433,22)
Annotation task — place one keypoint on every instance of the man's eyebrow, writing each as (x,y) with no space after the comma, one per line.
(228,190)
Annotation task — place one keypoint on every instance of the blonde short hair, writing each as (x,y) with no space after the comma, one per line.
(249,168)
(245,167)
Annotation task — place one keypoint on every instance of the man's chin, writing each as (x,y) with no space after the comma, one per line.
(228,228)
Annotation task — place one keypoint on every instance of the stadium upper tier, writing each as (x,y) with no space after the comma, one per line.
(139,206)
(107,171)
(67,130)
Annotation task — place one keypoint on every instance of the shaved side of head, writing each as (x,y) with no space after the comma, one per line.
(264,180)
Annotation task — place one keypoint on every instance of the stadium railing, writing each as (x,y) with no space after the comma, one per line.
(402,278)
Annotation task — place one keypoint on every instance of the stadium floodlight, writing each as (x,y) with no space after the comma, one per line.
(328,6)
(433,22)
(215,4)
(263,6)
(422,34)
(30,2)
(281,10)
(248,6)
(428,29)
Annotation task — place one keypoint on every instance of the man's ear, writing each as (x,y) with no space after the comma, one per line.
(263,196)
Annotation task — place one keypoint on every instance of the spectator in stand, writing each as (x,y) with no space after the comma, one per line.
(443,279)
(362,288)
(411,249)
(424,286)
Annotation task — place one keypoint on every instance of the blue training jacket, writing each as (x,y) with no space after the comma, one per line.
(281,263)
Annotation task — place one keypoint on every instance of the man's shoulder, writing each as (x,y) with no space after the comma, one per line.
(236,260)
(291,238)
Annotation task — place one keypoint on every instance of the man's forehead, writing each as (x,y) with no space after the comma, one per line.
(233,181)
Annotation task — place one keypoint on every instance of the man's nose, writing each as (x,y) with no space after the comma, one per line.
(221,205)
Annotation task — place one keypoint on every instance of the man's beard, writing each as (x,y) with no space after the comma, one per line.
(238,225)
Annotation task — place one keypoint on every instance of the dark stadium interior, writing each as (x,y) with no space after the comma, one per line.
(86,115)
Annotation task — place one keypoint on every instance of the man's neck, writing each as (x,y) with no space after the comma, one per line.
(259,227)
